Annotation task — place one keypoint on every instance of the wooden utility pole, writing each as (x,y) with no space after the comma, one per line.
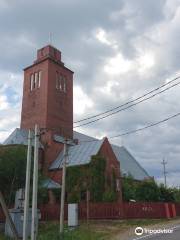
(63,189)
(8,216)
(164,171)
(27,188)
(35,186)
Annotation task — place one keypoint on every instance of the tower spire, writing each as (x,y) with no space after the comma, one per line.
(50,38)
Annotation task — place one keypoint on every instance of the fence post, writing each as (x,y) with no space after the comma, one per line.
(166,205)
(173,210)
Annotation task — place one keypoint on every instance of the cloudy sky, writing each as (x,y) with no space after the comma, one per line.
(118,50)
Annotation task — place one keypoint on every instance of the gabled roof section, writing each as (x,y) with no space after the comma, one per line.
(18,137)
(128,164)
(79,154)
(82,137)
(50,184)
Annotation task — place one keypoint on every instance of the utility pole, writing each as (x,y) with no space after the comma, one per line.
(35,186)
(164,171)
(63,188)
(26,202)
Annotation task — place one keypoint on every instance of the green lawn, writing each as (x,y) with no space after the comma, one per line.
(51,231)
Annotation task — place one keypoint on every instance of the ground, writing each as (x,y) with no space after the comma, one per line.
(100,230)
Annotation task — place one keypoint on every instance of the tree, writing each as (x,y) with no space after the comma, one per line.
(147,190)
(176,193)
(166,194)
(128,188)
(97,171)
(12,168)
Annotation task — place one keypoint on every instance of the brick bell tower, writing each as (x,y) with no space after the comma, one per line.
(48,94)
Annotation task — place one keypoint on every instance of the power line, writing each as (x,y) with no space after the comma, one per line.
(122,109)
(144,95)
(139,129)
(148,126)
(131,101)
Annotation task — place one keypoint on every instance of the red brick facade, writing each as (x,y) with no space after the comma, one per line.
(48,96)
(112,165)
(48,102)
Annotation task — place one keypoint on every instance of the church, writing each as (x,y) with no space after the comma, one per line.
(48,102)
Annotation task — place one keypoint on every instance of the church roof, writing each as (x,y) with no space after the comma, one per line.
(17,137)
(128,164)
(78,154)
(81,154)
(50,184)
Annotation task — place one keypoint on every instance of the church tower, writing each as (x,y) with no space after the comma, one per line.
(48,94)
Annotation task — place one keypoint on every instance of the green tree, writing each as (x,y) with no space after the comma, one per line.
(97,171)
(166,194)
(12,169)
(128,188)
(176,193)
(147,190)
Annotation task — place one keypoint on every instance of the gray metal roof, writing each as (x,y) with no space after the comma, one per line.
(18,137)
(79,154)
(128,163)
(82,137)
(50,184)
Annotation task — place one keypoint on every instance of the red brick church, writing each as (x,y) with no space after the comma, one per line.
(48,102)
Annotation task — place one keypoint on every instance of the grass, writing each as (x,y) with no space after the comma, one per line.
(96,230)
(50,231)
(83,232)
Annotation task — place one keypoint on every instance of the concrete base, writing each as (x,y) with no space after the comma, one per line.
(17,217)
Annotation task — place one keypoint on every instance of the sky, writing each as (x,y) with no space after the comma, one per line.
(118,50)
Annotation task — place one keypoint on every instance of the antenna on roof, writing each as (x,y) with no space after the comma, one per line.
(50,38)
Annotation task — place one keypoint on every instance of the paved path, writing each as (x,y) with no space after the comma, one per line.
(129,234)
(175,235)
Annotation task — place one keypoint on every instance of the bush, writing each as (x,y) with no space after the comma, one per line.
(109,196)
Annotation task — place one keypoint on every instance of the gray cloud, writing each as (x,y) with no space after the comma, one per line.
(137,50)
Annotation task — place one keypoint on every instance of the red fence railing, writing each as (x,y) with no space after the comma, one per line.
(114,211)
(101,211)
(144,210)
(111,211)
(177,205)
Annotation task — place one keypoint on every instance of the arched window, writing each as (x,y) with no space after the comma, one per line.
(60,82)
(32,81)
(64,84)
(39,79)
(57,80)
(35,80)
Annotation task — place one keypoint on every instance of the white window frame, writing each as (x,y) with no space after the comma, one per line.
(57,80)
(39,78)
(64,84)
(31,81)
(60,82)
